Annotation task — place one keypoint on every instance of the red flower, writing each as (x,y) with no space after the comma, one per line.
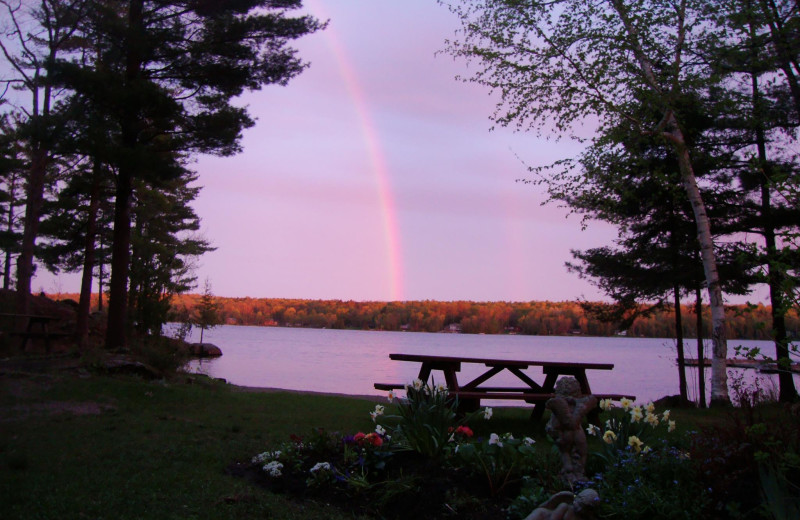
(464,430)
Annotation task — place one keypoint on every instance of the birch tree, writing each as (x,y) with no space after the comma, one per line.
(559,65)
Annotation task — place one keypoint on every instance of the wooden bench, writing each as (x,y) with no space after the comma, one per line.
(43,332)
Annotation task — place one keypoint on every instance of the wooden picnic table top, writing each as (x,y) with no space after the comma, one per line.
(424,358)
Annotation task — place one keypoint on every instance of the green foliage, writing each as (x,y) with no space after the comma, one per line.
(426,419)
(660,484)
(502,460)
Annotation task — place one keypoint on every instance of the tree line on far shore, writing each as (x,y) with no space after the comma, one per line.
(534,318)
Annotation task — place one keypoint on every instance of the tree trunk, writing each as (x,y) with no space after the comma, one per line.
(85,300)
(116,333)
(775,274)
(719,362)
(679,338)
(672,132)
(701,354)
(12,190)
(34,193)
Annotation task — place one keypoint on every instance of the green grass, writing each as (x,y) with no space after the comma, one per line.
(160,450)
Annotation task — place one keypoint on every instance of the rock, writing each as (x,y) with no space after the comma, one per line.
(124,364)
(204,350)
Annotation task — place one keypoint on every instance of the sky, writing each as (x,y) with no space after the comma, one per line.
(374,176)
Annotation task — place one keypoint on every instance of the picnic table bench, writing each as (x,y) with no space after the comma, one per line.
(27,332)
(470,394)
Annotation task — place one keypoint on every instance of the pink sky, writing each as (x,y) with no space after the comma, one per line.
(374,176)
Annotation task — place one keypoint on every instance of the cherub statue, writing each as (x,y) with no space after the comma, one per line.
(568,409)
(566,506)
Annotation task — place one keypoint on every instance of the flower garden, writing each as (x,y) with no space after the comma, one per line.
(424,460)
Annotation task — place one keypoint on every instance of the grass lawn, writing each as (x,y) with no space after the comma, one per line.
(101,447)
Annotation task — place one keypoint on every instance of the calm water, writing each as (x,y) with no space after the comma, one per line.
(349,362)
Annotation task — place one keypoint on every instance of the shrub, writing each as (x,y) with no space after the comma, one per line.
(426,419)
(660,484)
(500,459)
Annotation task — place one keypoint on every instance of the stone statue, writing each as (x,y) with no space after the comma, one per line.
(568,409)
(566,506)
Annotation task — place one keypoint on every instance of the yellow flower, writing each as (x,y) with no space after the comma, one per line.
(609,437)
(636,414)
(625,402)
(665,415)
(606,404)
(651,419)
(650,407)
(635,443)
(671,426)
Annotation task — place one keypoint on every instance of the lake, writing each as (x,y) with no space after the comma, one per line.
(350,361)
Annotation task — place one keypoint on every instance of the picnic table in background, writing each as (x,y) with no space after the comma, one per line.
(469,394)
(26,332)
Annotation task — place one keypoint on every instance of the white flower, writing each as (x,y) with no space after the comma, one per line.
(527,441)
(391,395)
(274,468)
(487,413)
(320,466)
(636,414)
(592,429)
(378,412)
(508,437)
(650,407)
(606,404)
(625,402)
(264,457)
(651,419)
(665,415)
(417,384)
(671,426)
(380,430)
(440,388)
(495,439)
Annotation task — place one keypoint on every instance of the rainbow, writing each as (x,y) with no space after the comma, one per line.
(377,157)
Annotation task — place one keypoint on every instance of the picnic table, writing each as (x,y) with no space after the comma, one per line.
(469,394)
(28,331)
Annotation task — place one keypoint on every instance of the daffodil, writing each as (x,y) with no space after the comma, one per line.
(625,403)
(651,419)
(417,384)
(609,437)
(487,413)
(636,414)
(635,443)
(380,430)
(606,404)
(391,396)
(592,429)
(671,426)
(650,407)
(665,415)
